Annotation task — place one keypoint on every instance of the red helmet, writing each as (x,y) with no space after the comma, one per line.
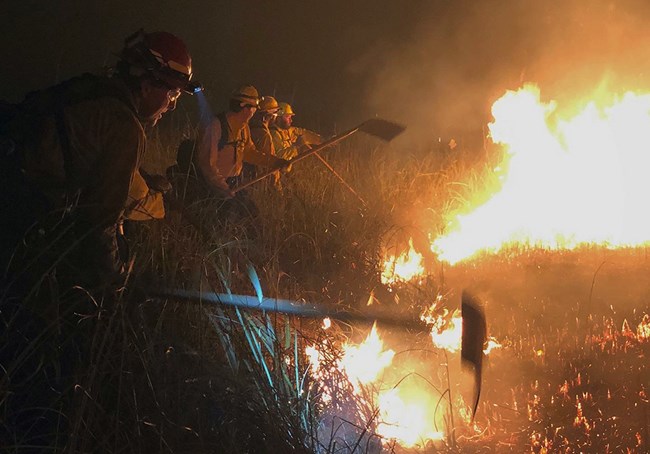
(161,55)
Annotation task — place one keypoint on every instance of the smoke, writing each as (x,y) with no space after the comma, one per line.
(442,78)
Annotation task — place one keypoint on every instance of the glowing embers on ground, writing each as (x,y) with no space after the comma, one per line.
(569,182)
(583,389)
(643,330)
(602,402)
(404,268)
(612,338)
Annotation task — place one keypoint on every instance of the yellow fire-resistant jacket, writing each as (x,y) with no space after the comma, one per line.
(261,135)
(287,142)
(220,157)
(143,204)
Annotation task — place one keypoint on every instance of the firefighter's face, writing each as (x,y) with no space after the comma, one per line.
(269,117)
(156,100)
(284,121)
(248,111)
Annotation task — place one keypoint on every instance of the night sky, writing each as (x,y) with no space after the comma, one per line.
(433,65)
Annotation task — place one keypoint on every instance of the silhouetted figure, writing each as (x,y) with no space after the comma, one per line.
(69,156)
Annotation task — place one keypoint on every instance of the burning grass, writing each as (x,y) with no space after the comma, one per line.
(564,377)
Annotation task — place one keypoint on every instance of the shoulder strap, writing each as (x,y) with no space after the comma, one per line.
(225,134)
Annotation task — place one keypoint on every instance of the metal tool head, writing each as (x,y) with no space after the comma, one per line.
(383,129)
(473,338)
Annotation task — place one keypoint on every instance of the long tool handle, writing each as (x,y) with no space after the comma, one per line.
(301,156)
(341,179)
(290,307)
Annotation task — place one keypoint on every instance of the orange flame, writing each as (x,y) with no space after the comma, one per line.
(364,363)
(404,268)
(643,330)
(570,182)
(407,421)
(446,332)
(315,358)
(406,414)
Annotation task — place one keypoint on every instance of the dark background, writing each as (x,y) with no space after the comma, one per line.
(435,65)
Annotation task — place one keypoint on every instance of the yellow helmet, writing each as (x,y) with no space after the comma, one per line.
(246,94)
(268,104)
(285,109)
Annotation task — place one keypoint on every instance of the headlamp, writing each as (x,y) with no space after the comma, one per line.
(193,87)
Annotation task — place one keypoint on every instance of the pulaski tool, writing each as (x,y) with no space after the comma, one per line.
(383,129)
(474,333)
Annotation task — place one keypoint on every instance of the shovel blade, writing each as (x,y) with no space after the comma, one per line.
(383,129)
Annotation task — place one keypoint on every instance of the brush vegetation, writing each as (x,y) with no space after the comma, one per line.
(178,377)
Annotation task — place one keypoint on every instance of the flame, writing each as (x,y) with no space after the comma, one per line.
(491,344)
(319,372)
(404,268)
(570,182)
(314,357)
(406,413)
(407,421)
(364,363)
(446,332)
(643,330)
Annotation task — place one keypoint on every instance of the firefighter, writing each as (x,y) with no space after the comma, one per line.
(261,122)
(70,156)
(288,140)
(225,144)
(74,154)
(261,134)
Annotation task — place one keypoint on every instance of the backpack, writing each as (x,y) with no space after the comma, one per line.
(186,152)
(22,124)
